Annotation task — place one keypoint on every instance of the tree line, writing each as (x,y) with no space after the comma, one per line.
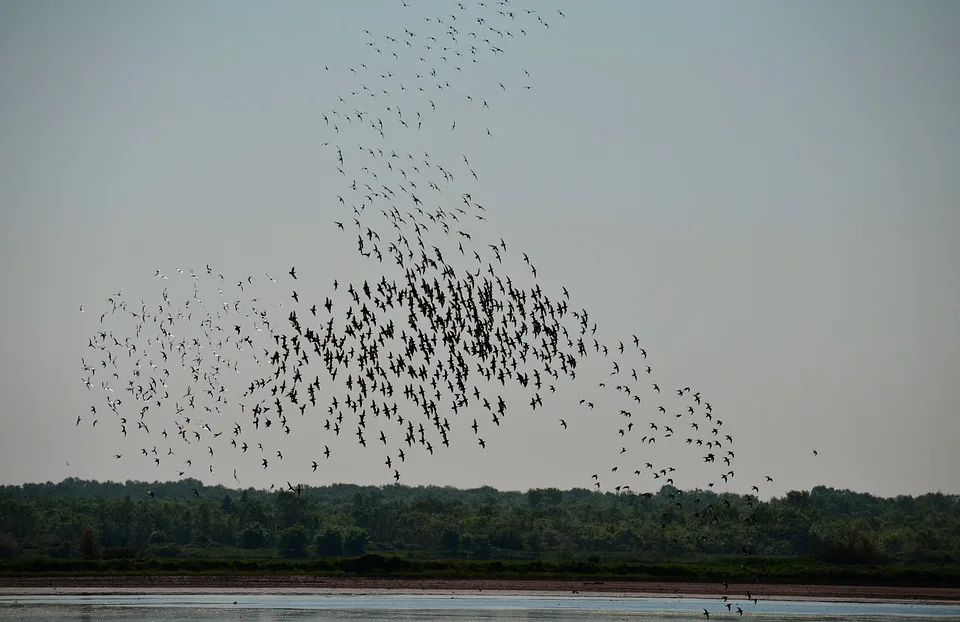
(79,519)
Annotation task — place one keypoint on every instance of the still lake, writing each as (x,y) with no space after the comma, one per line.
(264,606)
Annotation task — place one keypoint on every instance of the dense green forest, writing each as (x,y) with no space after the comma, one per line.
(161,522)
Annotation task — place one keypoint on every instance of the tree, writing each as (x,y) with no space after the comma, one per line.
(477,546)
(253,536)
(355,541)
(328,543)
(44,520)
(848,542)
(450,541)
(87,546)
(293,542)
(8,546)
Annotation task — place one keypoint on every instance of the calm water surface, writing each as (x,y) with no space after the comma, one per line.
(303,607)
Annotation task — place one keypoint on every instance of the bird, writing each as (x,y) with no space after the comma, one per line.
(373,348)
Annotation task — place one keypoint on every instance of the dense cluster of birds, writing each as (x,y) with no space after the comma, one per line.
(447,335)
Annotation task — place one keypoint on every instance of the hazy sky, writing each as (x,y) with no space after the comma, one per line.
(766,194)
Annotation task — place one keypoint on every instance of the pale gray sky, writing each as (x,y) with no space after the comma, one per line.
(766,194)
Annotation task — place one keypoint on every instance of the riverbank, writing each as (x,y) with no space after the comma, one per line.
(184,584)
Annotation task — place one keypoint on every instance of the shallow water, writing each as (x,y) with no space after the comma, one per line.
(265,607)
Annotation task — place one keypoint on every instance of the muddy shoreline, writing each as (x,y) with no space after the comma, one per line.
(10,585)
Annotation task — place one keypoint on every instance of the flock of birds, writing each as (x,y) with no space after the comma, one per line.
(446,335)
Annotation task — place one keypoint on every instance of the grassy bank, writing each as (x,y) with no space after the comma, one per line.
(766,570)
